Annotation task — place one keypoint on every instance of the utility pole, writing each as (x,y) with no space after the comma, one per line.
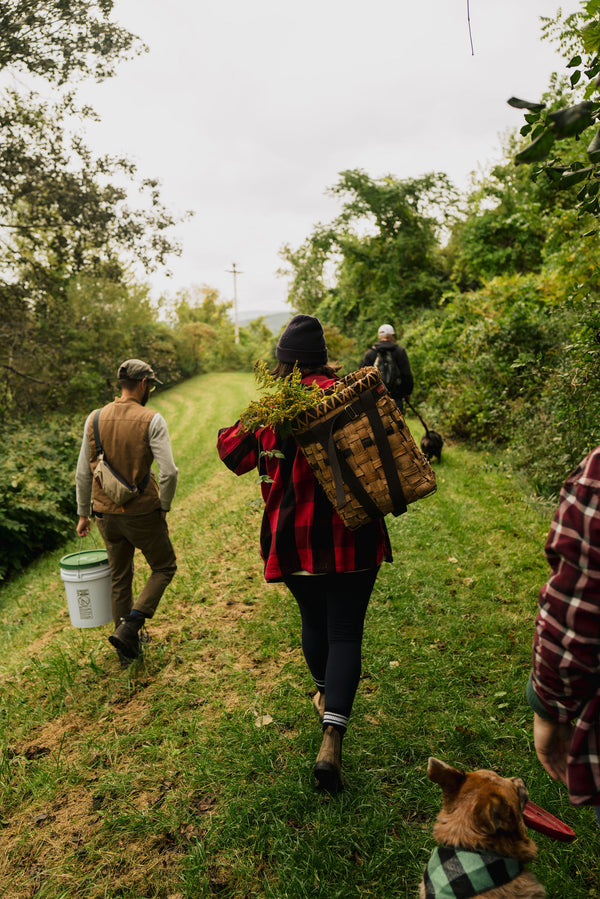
(235,272)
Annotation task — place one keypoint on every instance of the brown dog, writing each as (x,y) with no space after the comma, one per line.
(483,840)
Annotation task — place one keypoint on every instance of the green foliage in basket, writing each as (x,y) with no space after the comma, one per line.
(282,400)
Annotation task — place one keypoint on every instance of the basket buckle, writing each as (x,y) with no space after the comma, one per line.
(351,413)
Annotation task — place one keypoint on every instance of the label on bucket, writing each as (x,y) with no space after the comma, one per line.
(90,558)
(84,604)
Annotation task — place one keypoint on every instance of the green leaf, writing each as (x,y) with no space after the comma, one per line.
(575,78)
(590,34)
(536,150)
(525,130)
(576,61)
(516,103)
(582,193)
(573,120)
(570,178)
(593,150)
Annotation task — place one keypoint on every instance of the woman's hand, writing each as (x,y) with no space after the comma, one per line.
(552,740)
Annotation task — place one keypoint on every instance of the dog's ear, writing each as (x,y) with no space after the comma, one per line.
(522,791)
(493,813)
(449,779)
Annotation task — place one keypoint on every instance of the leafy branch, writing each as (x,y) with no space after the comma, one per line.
(282,400)
(547,128)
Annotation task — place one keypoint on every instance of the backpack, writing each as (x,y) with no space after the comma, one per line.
(387,366)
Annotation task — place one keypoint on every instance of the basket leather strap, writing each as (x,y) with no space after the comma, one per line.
(385,452)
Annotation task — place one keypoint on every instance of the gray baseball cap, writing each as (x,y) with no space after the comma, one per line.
(136,370)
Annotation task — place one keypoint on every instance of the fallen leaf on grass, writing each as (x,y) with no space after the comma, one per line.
(201,804)
(191,832)
(263,720)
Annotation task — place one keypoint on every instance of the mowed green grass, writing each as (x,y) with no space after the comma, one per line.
(189,774)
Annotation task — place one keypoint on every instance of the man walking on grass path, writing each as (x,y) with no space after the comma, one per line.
(392,361)
(130,437)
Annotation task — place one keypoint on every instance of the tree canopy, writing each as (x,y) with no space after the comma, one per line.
(63,39)
(564,137)
(66,219)
(379,257)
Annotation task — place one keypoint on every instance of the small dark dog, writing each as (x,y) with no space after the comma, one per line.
(431,441)
(431,445)
(484,845)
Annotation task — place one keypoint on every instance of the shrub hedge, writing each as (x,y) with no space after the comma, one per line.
(37,488)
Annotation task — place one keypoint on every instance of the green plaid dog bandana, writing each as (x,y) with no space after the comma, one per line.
(461,873)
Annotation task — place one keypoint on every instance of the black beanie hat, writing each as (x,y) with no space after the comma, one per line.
(303,341)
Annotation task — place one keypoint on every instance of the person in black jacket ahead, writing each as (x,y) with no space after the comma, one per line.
(392,361)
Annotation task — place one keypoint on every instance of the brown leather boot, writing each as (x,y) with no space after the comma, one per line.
(328,766)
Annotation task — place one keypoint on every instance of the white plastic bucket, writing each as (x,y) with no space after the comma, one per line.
(87,583)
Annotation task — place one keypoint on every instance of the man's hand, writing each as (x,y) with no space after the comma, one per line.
(83,526)
(552,740)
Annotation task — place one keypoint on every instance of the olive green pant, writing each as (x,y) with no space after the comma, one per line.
(122,535)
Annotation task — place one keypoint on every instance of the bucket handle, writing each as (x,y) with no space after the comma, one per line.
(80,548)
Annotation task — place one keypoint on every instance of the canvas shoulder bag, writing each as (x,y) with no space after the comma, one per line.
(117,489)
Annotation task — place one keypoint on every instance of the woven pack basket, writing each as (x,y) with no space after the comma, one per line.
(362,452)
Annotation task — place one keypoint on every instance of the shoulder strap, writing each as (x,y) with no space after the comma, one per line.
(99,450)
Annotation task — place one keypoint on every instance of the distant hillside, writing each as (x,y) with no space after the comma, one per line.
(274,321)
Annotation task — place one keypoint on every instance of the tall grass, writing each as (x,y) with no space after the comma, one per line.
(157,782)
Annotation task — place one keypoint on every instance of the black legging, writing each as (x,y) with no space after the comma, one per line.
(333,608)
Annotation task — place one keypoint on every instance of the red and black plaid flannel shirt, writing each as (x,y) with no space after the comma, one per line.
(566,650)
(301,531)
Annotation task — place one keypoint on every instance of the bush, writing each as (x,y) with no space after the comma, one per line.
(515,364)
(37,489)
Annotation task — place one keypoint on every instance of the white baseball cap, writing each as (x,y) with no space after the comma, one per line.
(385,330)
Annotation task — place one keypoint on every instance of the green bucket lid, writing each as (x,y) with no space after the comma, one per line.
(89,558)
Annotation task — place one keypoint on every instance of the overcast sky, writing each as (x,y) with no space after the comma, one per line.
(247,110)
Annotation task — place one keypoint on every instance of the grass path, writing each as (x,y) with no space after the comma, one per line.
(157,781)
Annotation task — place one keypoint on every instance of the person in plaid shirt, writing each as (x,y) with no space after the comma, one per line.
(329,569)
(564,685)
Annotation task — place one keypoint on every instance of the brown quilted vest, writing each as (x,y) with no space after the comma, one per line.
(123,427)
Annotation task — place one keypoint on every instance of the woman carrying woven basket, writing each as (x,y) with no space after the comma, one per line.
(329,569)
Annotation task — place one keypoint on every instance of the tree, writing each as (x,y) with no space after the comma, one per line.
(61,217)
(65,215)
(506,223)
(63,39)
(558,147)
(379,258)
